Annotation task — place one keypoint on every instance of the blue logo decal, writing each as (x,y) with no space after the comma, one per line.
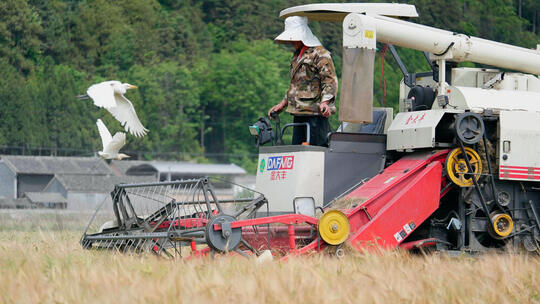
(274,163)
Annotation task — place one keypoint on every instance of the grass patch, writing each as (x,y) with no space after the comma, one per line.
(49,266)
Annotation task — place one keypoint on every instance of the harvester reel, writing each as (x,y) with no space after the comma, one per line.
(226,239)
(456,166)
(469,128)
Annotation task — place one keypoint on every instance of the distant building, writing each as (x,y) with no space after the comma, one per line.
(15,203)
(167,171)
(84,182)
(20,174)
(121,166)
(88,191)
(51,200)
(222,175)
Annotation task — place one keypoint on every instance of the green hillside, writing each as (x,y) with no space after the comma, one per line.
(205,69)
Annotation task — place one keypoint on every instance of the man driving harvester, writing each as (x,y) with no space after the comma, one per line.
(313,88)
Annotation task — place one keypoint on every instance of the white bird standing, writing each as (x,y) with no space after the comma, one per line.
(111,145)
(110,95)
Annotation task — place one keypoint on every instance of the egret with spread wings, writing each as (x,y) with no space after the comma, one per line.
(111,144)
(110,95)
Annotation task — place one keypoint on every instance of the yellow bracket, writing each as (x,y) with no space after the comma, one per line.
(334,227)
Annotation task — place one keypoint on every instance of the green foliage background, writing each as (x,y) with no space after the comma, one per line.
(205,69)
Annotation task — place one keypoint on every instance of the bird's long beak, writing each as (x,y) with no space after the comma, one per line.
(132,87)
(83,97)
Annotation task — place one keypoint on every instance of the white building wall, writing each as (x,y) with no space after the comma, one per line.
(8,182)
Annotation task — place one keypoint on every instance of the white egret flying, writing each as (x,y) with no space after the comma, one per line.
(110,95)
(111,144)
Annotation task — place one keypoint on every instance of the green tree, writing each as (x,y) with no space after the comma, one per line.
(240,86)
(205,69)
(168,105)
(20,30)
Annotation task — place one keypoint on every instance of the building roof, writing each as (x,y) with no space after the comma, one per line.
(56,165)
(123,165)
(95,183)
(45,197)
(185,168)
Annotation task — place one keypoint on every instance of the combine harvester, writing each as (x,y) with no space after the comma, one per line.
(457,169)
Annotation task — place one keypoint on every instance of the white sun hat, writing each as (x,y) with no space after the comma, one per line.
(296,29)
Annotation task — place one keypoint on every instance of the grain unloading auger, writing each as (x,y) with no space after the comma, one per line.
(457,169)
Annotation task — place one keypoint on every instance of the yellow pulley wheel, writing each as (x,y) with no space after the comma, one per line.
(334,227)
(502,224)
(457,169)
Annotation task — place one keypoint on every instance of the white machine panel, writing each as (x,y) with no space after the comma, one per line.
(282,177)
(519,151)
(411,130)
(477,99)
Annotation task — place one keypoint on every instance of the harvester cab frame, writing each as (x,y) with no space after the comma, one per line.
(261,130)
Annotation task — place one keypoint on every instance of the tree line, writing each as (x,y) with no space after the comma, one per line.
(205,69)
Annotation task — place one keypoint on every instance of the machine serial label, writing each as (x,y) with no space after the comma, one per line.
(407,228)
(280,163)
(403,233)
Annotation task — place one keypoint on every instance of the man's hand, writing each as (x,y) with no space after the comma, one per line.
(278,108)
(325,109)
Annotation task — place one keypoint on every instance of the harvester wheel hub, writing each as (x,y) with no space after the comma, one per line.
(224,239)
(457,170)
(502,224)
(334,227)
(461,166)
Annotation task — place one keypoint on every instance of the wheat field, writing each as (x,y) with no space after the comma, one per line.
(42,262)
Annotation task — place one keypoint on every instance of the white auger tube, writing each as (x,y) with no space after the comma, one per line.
(447,45)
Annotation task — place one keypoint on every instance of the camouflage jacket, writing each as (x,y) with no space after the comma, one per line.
(313,79)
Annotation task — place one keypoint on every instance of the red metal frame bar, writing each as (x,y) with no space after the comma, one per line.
(283,239)
(287,219)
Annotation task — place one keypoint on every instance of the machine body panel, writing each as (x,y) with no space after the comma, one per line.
(288,172)
(519,155)
(411,130)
